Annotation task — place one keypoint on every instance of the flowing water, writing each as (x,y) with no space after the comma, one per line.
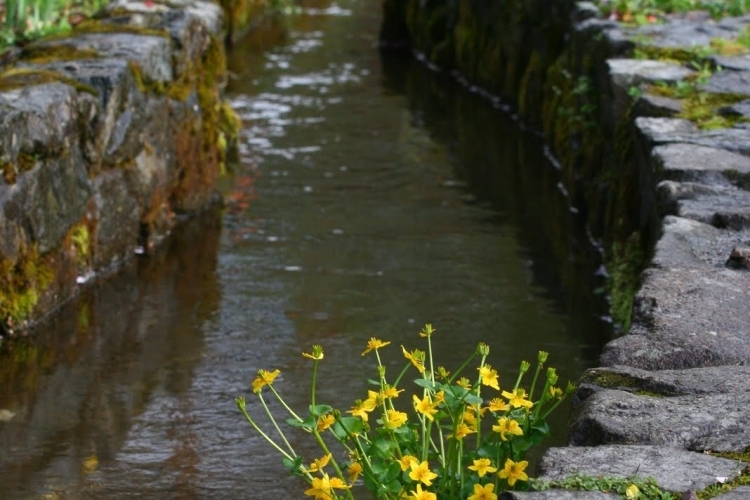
(373,196)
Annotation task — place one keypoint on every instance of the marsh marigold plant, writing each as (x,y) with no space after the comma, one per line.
(458,436)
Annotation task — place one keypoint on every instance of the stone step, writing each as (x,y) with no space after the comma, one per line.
(558,495)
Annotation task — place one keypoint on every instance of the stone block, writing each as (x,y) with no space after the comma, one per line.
(674,469)
(716,422)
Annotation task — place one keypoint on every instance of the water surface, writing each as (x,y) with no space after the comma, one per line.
(373,196)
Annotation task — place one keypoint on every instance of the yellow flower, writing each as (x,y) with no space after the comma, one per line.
(632,492)
(556,392)
(464,382)
(470,418)
(514,471)
(488,377)
(354,470)
(505,426)
(463,430)
(325,422)
(483,492)
(482,466)
(373,398)
(406,461)
(319,463)
(422,473)
(427,331)
(374,344)
(395,419)
(497,405)
(439,398)
(317,353)
(390,392)
(322,486)
(361,408)
(425,407)
(263,379)
(416,357)
(517,398)
(422,495)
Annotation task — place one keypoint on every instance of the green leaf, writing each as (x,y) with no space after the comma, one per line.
(427,384)
(352,425)
(383,447)
(473,399)
(307,424)
(293,465)
(320,410)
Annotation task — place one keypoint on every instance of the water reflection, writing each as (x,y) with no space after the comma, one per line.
(78,386)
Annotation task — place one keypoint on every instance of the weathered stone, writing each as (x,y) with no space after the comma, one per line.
(686,318)
(686,242)
(657,106)
(739,493)
(628,72)
(741,109)
(670,192)
(558,495)
(728,82)
(666,130)
(707,380)
(739,258)
(153,54)
(680,32)
(661,130)
(717,422)
(736,63)
(730,209)
(673,469)
(118,219)
(122,111)
(691,162)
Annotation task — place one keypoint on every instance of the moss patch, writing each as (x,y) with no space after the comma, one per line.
(18,78)
(625,264)
(42,54)
(649,489)
(22,282)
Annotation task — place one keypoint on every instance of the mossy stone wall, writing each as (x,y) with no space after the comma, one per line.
(108,136)
(543,58)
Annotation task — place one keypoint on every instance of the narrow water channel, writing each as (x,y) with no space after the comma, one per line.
(373,196)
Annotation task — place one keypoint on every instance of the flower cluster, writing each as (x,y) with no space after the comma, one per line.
(454,442)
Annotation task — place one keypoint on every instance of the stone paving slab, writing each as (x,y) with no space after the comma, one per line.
(667,130)
(628,72)
(673,469)
(718,422)
(728,82)
(689,243)
(692,162)
(728,209)
(707,380)
(686,317)
(740,493)
(557,495)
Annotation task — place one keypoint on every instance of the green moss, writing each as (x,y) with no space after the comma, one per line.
(610,380)
(625,264)
(649,489)
(22,281)
(80,237)
(18,78)
(41,54)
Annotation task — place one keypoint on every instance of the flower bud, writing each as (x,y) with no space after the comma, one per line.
(525,365)
(542,357)
(551,376)
(427,331)
(483,349)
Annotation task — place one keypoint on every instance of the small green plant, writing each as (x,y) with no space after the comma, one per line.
(454,441)
(630,488)
(29,19)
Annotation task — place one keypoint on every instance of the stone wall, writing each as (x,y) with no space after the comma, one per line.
(650,127)
(108,135)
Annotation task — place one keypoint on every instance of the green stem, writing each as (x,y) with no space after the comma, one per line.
(273,420)
(283,403)
(263,434)
(335,464)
